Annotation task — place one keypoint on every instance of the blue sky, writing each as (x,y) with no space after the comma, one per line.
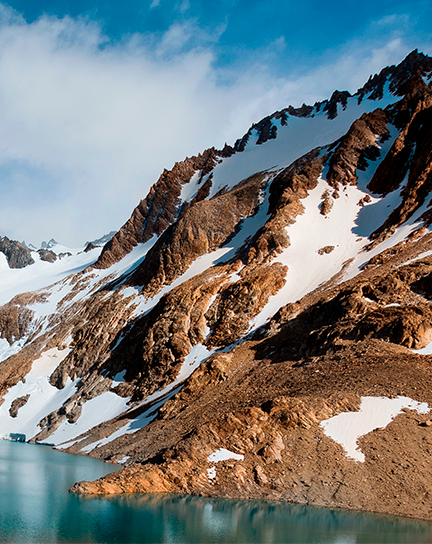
(97,97)
(286,35)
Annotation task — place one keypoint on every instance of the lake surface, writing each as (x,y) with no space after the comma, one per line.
(35,506)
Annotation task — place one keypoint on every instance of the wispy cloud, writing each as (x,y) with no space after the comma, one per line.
(87,124)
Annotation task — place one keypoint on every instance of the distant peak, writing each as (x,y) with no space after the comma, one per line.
(102,240)
(49,245)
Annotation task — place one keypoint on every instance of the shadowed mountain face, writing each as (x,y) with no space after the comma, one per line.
(255,293)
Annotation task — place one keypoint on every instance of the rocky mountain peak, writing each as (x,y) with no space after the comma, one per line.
(102,240)
(160,208)
(17,254)
(49,245)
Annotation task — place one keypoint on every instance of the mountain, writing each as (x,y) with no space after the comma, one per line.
(261,326)
(17,255)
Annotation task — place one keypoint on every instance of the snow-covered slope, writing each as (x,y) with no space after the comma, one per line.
(42,273)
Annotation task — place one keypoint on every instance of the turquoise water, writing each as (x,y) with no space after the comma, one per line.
(36,507)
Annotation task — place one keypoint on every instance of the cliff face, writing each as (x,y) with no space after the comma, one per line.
(159,209)
(254,295)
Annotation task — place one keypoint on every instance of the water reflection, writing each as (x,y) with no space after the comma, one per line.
(35,507)
(174,519)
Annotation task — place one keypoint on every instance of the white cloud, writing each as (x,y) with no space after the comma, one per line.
(183,6)
(87,125)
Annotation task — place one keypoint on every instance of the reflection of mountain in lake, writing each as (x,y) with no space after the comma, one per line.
(36,507)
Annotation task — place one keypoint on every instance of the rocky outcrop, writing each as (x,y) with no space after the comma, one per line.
(47,255)
(17,404)
(203,228)
(356,148)
(16,317)
(409,156)
(18,255)
(287,190)
(89,247)
(331,106)
(415,64)
(236,305)
(158,210)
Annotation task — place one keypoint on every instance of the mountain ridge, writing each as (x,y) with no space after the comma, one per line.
(255,293)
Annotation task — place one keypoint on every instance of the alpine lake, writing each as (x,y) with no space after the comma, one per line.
(35,506)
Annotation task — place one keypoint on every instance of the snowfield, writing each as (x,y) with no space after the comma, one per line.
(41,274)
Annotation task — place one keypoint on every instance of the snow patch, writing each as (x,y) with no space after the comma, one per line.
(375,413)
(44,397)
(427,350)
(123,460)
(130,292)
(211,473)
(190,190)
(118,378)
(94,411)
(223,455)
(7,350)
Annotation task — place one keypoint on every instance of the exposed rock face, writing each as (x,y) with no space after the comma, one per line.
(203,228)
(287,190)
(337,98)
(89,247)
(16,317)
(234,307)
(47,255)
(358,147)
(17,254)
(158,210)
(264,305)
(411,154)
(17,404)
(397,76)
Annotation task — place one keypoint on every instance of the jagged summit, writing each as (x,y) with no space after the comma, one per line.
(49,245)
(102,240)
(30,246)
(255,294)
(161,206)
